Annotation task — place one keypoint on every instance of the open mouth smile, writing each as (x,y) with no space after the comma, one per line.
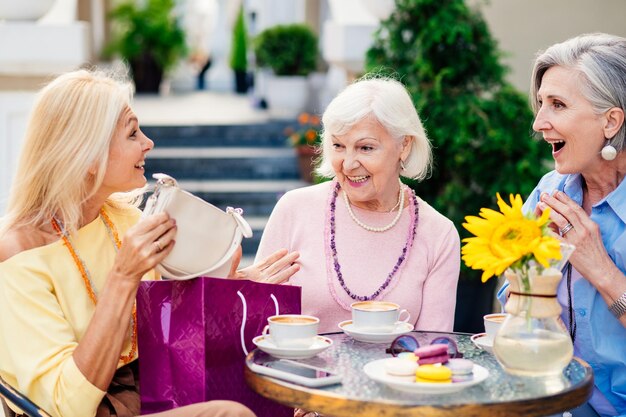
(557,145)
(359,179)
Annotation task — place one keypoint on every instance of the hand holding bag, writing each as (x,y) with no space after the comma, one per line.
(207,237)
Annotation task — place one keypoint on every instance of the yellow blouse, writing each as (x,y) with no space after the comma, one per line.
(45,310)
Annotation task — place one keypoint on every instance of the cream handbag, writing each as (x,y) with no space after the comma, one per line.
(207,237)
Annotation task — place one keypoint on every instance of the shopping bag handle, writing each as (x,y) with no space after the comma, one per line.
(245,315)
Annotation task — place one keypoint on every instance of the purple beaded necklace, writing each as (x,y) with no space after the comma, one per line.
(335,259)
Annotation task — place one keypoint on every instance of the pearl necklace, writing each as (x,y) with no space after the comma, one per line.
(84,272)
(399,204)
(332,258)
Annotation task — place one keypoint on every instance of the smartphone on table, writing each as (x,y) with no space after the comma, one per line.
(292,371)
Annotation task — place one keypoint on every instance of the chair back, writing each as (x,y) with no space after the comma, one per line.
(7,410)
(7,392)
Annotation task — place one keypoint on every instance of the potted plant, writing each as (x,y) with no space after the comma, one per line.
(306,139)
(239,53)
(149,38)
(290,51)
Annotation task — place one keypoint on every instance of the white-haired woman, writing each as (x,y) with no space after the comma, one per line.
(364,235)
(579,97)
(73,251)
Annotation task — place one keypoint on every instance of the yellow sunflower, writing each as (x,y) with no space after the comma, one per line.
(506,237)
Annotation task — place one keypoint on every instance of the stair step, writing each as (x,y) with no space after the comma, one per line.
(234,187)
(224,163)
(257,222)
(271,134)
(219,153)
(256,198)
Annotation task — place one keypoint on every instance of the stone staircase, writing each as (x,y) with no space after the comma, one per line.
(248,166)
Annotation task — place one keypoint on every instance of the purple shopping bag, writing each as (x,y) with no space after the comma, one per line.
(194,336)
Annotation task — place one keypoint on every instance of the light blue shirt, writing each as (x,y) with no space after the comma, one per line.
(600,337)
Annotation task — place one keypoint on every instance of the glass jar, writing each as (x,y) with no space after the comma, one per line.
(532,340)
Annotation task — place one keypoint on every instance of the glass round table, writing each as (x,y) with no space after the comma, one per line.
(500,394)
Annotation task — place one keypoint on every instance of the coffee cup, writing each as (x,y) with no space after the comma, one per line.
(377,316)
(492,323)
(292,331)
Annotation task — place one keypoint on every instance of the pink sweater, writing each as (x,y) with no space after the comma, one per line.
(425,285)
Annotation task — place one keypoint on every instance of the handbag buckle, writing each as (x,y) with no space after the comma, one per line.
(164,180)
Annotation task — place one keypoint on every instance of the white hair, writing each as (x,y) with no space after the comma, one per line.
(388,101)
(600,59)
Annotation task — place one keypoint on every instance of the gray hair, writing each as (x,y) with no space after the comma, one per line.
(601,61)
(389,102)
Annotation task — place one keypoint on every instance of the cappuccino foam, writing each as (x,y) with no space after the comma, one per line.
(375,306)
(293,320)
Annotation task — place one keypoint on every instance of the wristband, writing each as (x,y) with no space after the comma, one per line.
(618,308)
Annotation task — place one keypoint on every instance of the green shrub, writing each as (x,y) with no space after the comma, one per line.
(239,51)
(147,28)
(479,125)
(287,49)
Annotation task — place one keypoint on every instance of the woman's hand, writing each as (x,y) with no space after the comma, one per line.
(590,257)
(145,245)
(275,269)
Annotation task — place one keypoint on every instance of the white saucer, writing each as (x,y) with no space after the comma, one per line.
(399,329)
(482,341)
(376,371)
(267,345)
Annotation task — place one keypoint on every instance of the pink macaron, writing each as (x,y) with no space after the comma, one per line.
(437,353)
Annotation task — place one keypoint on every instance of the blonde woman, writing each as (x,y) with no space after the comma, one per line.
(73,251)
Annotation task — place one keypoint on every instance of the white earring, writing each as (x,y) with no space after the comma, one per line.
(402,165)
(608,152)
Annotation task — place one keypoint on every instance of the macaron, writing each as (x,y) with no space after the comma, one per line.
(400,367)
(462,369)
(433,374)
(408,356)
(437,353)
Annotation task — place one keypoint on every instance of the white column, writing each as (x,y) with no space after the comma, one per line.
(30,53)
(14,111)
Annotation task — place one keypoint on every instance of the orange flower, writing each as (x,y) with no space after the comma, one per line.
(307,133)
(303,118)
(310,136)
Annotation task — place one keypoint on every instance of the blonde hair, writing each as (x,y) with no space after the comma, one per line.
(388,101)
(69,132)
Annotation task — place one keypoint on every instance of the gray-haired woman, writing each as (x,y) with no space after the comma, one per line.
(579,98)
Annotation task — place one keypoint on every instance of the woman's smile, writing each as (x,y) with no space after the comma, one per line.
(357,181)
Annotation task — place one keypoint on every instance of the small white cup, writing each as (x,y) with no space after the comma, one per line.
(377,316)
(292,331)
(492,324)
